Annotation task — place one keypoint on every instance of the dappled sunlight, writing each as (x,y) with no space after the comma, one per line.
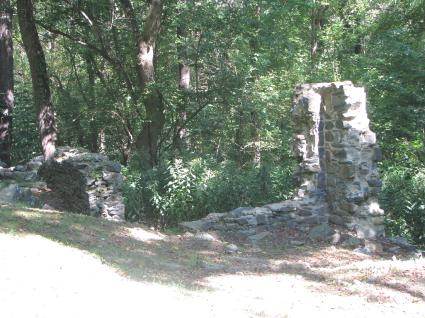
(52,278)
(142,235)
(65,259)
(27,215)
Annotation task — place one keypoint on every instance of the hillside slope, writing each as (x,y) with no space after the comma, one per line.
(56,264)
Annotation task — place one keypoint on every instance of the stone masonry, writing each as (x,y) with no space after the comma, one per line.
(337,177)
(102,183)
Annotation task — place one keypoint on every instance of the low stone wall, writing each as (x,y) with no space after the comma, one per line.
(102,179)
(337,174)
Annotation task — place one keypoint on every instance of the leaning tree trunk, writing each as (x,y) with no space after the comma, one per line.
(6,81)
(40,79)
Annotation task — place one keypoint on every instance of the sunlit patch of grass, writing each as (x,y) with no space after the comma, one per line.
(143,235)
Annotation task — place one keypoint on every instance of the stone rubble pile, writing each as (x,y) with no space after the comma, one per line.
(102,177)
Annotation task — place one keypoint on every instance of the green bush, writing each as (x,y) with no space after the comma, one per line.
(175,192)
(403,199)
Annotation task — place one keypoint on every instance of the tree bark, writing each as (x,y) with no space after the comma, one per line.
(316,25)
(93,139)
(40,79)
(147,141)
(6,81)
(184,86)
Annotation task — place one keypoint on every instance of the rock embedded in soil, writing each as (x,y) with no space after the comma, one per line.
(231,249)
(321,232)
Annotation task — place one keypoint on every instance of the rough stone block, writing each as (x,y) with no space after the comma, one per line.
(282,207)
(377,154)
(241,211)
(249,220)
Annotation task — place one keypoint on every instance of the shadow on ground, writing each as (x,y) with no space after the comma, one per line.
(149,256)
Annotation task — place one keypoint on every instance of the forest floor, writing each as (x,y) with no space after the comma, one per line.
(56,264)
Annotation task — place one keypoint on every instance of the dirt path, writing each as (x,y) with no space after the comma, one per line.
(61,265)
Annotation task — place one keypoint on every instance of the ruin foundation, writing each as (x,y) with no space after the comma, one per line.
(337,177)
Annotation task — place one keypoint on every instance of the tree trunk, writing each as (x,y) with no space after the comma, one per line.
(147,141)
(40,79)
(93,139)
(6,81)
(316,25)
(184,85)
(255,124)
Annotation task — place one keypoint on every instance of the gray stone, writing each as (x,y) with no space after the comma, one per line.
(250,220)
(262,219)
(374,246)
(113,167)
(305,212)
(9,194)
(296,243)
(351,241)
(260,236)
(282,207)
(335,238)
(35,163)
(377,154)
(402,242)
(394,249)
(285,206)
(47,207)
(240,211)
(113,178)
(20,168)
(363,250)
(113,206)
(199,225)
(218,227)
(90,181)
(25,175)
(231,249)
(314,219)
(202,236)
(3,164)
(247,232)
(321,232)
(374,182)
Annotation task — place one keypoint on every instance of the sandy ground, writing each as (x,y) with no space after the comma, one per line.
(43,278)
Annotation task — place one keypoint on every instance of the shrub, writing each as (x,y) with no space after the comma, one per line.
(176,191)
(403,199)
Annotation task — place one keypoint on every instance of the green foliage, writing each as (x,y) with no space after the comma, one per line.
(25,144)
(245,58)
(403,199)
(178,191)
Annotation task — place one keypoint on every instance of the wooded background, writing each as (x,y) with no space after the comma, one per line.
(193,97)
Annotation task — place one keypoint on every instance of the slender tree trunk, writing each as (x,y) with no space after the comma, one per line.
(93,139)
(147,141)
(6,81)
(255,124)
(316,25)
(40,79)
(184,85)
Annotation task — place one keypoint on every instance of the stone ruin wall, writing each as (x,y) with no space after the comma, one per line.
(337,176)
(102,183)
